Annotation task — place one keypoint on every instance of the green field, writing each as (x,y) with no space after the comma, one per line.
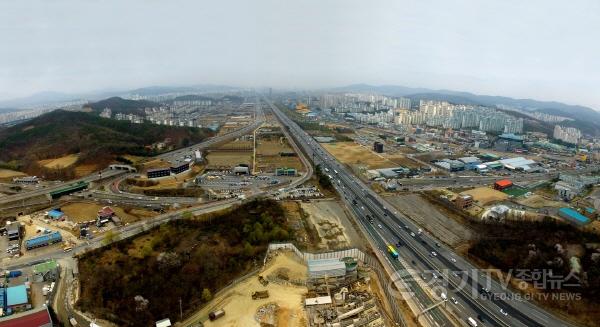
(515,191)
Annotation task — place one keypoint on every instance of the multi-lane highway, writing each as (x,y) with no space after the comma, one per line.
(172,155)
(477,296)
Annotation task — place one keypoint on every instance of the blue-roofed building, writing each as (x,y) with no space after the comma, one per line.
(2,301)
(573,217)
(55,214)
(16,298)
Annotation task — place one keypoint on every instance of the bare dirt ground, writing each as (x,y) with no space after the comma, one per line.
(228,160)
(240,309)
(538,201)
(402,160)
(86,211)
(332,224)
(355,154)
(87,169)
(61,162)
(485,195)
(431,219)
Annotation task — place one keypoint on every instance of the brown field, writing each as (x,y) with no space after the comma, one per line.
(156,163)
(485,195)
(352,153)
(537,201)
(403,161)
(61,162)
(86,211)
(268,158)
(84,170)
(7,173)
(228,159)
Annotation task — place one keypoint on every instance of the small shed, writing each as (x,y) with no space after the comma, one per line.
(55,214)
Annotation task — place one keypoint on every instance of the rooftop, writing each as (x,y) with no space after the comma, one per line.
(40,318)
(16,295)
(45,266)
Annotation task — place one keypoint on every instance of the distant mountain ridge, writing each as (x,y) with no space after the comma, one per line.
(123,106)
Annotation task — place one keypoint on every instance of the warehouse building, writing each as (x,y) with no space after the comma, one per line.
(470,163)
(17,299)
(43,240)
(241,169)
(573,217)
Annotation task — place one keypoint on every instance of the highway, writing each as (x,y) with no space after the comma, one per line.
(109,173)
(468,283)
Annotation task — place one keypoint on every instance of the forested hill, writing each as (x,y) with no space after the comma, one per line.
(60,132)
(120,105)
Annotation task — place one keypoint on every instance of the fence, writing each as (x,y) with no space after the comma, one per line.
(365,258)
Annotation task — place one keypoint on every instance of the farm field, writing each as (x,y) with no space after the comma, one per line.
(226,160)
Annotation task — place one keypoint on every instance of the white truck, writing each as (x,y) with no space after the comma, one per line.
(472,322)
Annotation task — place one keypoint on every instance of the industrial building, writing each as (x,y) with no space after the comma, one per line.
(573,217)
(43,240)
(470,163)
(17,299)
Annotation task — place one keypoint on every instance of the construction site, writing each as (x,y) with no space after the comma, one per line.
(291,290)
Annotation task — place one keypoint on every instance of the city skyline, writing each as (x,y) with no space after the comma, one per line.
(500,48)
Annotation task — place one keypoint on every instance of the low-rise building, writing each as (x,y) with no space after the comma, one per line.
(17,299)
(573,217)
(463,201)
(158,172)
(502,184)
(45,271)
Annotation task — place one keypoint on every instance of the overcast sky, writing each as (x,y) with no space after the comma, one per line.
(547,49)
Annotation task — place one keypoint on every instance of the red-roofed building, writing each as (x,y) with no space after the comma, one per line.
(106,213)
(502,184)
(39,318)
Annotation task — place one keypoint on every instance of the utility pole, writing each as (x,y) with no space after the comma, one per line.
(180,310)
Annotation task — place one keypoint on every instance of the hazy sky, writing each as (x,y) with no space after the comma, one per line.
(548,49)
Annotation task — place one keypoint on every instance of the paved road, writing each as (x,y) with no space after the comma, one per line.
(394,227)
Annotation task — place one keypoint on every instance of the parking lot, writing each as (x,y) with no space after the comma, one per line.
(225,180)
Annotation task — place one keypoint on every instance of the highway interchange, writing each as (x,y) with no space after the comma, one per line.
(394,228)
(387,227)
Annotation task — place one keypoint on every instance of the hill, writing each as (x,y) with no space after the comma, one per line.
(120,105)
(175,267)
(97,140)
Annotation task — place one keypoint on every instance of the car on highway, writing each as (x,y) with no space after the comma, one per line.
(453,259)
(412,234)
(503,312)
(379,225)
(433,254)
(453,300)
